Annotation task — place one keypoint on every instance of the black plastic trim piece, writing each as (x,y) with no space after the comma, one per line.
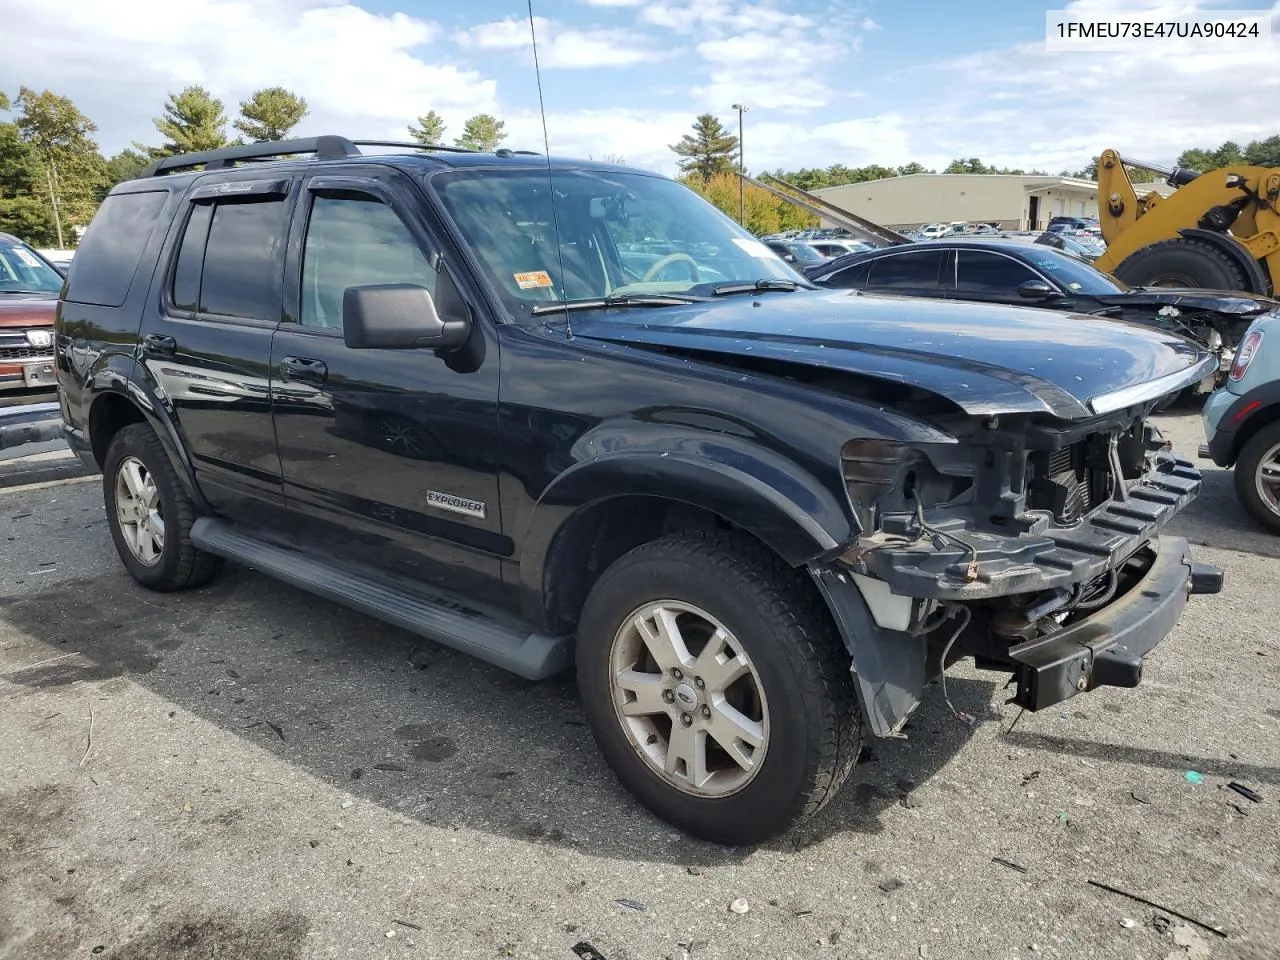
(1107,649)
(449,620)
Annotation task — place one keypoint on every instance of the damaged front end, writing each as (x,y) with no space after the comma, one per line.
(1032,546)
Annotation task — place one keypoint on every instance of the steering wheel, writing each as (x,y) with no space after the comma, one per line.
(667,261)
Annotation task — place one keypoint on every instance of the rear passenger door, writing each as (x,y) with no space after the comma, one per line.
(209,347)
(917,273)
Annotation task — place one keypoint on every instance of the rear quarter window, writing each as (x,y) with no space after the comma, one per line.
(107,258)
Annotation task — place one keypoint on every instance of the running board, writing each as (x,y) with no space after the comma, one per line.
(449,620)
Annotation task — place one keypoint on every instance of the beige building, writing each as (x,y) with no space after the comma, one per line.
(1012,202)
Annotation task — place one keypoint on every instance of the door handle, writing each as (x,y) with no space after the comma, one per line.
(304,370)
(159,345)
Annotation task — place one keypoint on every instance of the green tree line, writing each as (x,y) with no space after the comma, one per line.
(711,152)
(53,175)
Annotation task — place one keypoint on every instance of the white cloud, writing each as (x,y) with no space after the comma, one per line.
(560,46)
(1026,106)
(759,52)
(360,72)
(869,25)
(613,3)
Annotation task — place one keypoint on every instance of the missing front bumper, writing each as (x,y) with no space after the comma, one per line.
(1107,649)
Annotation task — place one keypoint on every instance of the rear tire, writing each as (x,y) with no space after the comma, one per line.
(795,689)
(1182,262)
(150,514)
(1260,498)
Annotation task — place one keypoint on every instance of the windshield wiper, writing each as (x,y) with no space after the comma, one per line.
(618,300)
(754,286)
(2,290)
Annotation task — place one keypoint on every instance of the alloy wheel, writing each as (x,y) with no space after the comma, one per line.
(688,698)
(138,511)
(1267,479)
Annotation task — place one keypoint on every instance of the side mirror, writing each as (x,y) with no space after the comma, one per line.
(790,258)
(1036,290)
(397,316)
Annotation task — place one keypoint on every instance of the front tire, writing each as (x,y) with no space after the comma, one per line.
(150,514)
(1257,477)
(716,686)
(1182,262)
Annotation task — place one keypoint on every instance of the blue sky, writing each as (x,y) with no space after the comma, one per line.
(848,81)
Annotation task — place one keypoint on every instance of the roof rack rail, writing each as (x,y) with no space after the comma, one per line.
(412,145)
(508,152)
(325,148)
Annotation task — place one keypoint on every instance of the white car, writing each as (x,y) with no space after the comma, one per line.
(934,231)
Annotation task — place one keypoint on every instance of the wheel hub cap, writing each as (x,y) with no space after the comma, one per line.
(686,696)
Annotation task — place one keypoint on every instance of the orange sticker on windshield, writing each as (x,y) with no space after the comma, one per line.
(533,279)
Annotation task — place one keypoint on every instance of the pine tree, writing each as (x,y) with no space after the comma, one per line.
(193,121)
(482,132)
(429,130)
(709,150)
(270,114)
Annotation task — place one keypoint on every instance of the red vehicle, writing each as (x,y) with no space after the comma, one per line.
(29,287)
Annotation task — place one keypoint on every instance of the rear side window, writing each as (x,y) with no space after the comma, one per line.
(230,262)
(186,273)
(907,270)
(107,258)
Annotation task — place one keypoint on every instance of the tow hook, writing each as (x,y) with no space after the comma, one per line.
(1204,578)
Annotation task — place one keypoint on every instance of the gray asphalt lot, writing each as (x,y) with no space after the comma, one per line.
(244,771)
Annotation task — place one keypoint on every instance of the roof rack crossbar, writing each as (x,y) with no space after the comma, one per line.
(324,148)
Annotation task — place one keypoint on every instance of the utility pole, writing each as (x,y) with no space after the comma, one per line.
(742,168)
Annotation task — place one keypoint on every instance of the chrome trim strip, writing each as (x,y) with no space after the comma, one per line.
(1140,392)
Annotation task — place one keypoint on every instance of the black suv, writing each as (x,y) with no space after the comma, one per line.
(553,412)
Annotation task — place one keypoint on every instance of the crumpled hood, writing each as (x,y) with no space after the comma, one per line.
(986,359)
(1242,305)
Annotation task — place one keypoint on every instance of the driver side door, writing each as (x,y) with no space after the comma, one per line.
(387,455)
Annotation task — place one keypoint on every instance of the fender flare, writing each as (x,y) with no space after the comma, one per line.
(792,513)
(134,390)
(1257,278)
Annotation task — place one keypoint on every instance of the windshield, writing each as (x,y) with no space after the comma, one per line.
(620,234)
(23,271)
(1075,275)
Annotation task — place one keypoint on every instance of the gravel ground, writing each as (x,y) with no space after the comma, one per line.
(244,771)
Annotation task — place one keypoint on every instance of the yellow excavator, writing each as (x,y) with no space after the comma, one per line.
(1219,229)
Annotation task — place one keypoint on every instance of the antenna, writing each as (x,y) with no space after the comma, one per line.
(551,187)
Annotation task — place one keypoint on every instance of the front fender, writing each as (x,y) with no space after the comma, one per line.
(792,511)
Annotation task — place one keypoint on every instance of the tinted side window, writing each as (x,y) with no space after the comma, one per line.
(185,292)
(354,240)
(850,278)
(243,261)
(907,269)
(978,272)
(108,256)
